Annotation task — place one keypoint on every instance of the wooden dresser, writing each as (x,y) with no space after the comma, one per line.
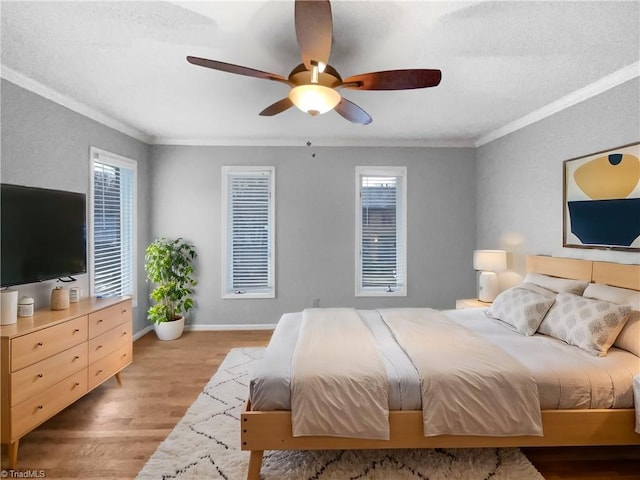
(50,360)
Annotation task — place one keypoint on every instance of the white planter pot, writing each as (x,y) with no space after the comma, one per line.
(169,330)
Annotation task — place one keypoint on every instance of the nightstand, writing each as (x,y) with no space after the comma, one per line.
(461,304)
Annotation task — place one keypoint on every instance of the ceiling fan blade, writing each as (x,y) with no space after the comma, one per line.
(237,69)
(352,112)
(314,30)
(278,107)
(394,80)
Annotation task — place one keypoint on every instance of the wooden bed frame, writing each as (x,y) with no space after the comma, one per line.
(271,430)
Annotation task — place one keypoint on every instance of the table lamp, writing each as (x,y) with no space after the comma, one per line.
(488,262)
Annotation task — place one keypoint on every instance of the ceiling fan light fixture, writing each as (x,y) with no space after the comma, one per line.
(314,99)
(315,83)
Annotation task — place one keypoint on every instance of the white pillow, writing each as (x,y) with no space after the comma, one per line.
(589,324)
(629,337)
(621,296)
(521,308)
(556,284)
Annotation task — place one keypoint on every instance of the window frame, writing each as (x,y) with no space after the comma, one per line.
(401,230)
(270,292)
(112,159)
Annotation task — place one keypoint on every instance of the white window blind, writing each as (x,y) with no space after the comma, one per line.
(113,225)
(381,231)
(248,232)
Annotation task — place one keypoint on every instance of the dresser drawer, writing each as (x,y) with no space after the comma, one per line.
(106,319)
(31,413)
(109,341)
(107,366)
(38,377)
(33,347)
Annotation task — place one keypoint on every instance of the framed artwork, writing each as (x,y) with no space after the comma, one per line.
(601,200)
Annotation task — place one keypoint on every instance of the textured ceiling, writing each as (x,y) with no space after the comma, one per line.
(501,61)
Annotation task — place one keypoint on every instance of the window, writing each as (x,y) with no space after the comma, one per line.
(381,232)
(248,232)
(112,225)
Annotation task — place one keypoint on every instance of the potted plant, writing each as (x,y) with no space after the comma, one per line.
(169,265)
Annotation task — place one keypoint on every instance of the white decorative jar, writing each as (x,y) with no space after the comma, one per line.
(25,306)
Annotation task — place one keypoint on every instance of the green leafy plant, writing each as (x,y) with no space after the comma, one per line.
(169,264)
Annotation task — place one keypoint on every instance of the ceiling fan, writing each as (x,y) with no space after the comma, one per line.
(315,85)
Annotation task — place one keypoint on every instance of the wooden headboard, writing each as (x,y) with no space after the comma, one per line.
(615,274)
(560,267)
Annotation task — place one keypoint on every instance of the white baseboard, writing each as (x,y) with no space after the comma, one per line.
(202,328)
(142,332)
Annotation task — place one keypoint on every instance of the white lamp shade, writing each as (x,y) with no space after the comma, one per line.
(314,99)
(489,260)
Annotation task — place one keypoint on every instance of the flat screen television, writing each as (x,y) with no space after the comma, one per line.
(43,234)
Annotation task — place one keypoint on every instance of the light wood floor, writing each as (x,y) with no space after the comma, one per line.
(111,432)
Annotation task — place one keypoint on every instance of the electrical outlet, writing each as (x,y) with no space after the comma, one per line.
(315,302)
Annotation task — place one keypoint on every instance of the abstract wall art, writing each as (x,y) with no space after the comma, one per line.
(602,200)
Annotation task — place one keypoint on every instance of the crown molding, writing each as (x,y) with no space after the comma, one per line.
(83,109)
(596,88)
(610,81)
(317,142)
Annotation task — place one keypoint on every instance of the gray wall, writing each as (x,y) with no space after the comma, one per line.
(515,180)
(520,176)
(315,224)
(47,145)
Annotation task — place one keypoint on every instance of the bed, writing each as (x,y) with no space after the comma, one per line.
(268,424)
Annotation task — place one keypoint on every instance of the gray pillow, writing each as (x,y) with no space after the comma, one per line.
(521,308)
(591,325)
(556,284)
(538,289)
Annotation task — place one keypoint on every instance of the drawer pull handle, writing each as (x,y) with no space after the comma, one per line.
(40,344)
(98,347)
(76,357)
(124,355)
(77,384)
(98,372)
(76,330)
(124,333)
(123,311)
(40,407)
(99,321)
(40,375)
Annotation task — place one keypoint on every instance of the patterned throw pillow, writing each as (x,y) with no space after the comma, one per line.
(521,308)
(591,325)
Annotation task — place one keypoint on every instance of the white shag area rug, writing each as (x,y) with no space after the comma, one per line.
(205,444)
